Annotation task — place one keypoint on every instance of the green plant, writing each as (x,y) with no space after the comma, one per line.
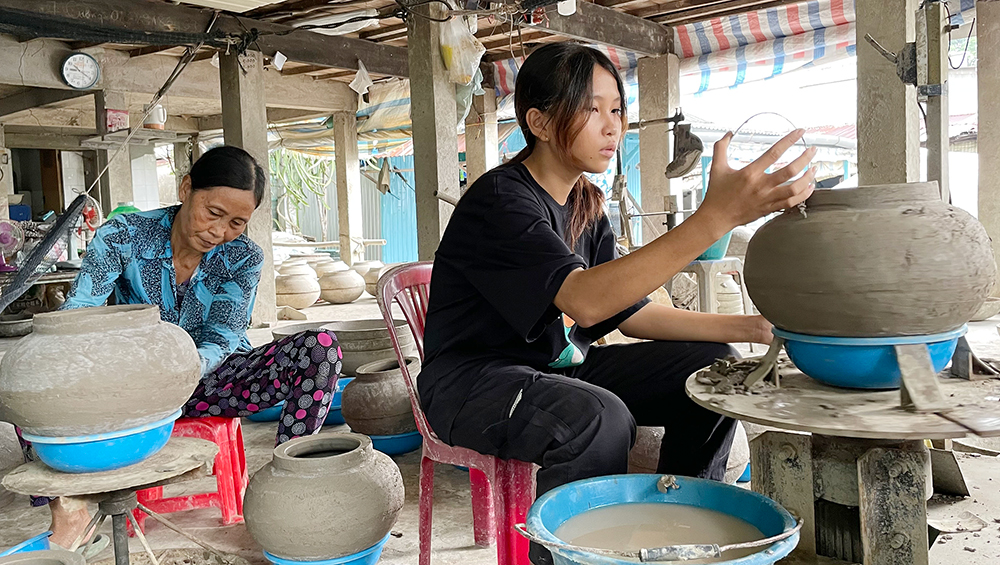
(297,175)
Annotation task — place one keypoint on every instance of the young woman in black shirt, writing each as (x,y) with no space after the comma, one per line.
(527,277)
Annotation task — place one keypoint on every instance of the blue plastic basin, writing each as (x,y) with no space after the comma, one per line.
(397,444)
(717,250)
(103,452)
(334,416)
(37,543)
(862,362)
(368,556)
(560,504)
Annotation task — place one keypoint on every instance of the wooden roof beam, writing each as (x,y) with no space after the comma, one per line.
(597,24)
(35,97)
(132,20)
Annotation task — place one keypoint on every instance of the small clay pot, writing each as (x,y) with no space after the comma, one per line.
(77,374)
(323,497)
(342,287)
(877,261)
(297,291)
(372,277)
(297,268)
(376,402)
(44,557)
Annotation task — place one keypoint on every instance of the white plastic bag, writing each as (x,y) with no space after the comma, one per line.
(460,50)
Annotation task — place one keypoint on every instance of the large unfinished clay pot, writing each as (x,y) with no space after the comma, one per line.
(365,341)
(97,370)
(323,497)
(297,267)
(889,260)
(376,402)
(341,287)
(372,277)
(297,291)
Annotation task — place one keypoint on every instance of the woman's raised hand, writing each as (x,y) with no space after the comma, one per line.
(737,197)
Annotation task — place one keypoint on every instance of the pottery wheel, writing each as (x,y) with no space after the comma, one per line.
(806,405)
(182,459)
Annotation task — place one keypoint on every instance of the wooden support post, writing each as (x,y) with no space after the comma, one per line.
(244,124)
(349,214)
(435,130)
(894,506)
(659,96)
(783,471)
(888,127)
(482,151)
(116,184)
(988,77)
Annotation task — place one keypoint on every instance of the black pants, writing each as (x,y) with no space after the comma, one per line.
(582,424)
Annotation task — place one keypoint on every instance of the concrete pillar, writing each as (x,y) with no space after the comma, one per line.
(349,215)
(6,176)
(988,73)
(659,97)
(888,117)
(116,184)
(182,160)
(435,130)
(482,151)
(244,124)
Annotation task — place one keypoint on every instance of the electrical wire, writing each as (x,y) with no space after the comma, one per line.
(968,39)
(182,64)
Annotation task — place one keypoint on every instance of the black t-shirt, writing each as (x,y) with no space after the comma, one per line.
(497,270)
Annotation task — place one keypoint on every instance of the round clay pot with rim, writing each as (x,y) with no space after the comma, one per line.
(372,277)
(361,267)
(376,402)
(876,261)
(323,497)
(76,374)
(297,269)
(324,268)
(296,291)
(342,287)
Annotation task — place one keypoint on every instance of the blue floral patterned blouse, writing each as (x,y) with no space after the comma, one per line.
(131,256)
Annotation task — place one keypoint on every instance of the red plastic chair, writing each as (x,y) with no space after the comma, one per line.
(230,470)
(502,491)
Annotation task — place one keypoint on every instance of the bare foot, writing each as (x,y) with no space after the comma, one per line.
(69,518)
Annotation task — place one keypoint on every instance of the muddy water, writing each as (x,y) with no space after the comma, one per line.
(630,527)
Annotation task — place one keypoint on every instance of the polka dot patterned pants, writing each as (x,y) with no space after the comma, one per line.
(301,369)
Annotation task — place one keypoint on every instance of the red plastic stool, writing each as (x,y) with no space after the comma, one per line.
(230,472)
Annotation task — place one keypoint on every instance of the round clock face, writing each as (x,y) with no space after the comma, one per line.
(81,71)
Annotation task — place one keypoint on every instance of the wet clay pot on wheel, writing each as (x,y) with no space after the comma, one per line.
(341,287)
(323,497)
(877,261)
(77,374)
(366,341)
(376,402)
(298,291)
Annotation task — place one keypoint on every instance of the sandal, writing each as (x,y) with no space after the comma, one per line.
(100,543)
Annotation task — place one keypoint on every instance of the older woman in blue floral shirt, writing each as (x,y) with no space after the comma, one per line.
(195,262)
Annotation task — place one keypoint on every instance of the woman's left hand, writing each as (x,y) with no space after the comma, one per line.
(760,331)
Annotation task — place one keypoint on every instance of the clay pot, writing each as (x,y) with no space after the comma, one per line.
(890,260)
(323,268)
(342,287)
(365,341)
(297,268)
(376,402)
(44,557)
(362,267)
(372,277)
(297,291)
(989,309)
(323,497)
(77,374)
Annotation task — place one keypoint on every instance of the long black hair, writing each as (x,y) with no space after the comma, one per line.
(558,80)
(230,166)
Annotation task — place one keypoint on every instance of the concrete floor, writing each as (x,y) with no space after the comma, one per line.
(453,541)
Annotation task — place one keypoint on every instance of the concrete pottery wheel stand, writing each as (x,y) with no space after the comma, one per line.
(860,481)
(182,459)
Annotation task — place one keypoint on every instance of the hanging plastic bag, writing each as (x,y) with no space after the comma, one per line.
(460,50)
